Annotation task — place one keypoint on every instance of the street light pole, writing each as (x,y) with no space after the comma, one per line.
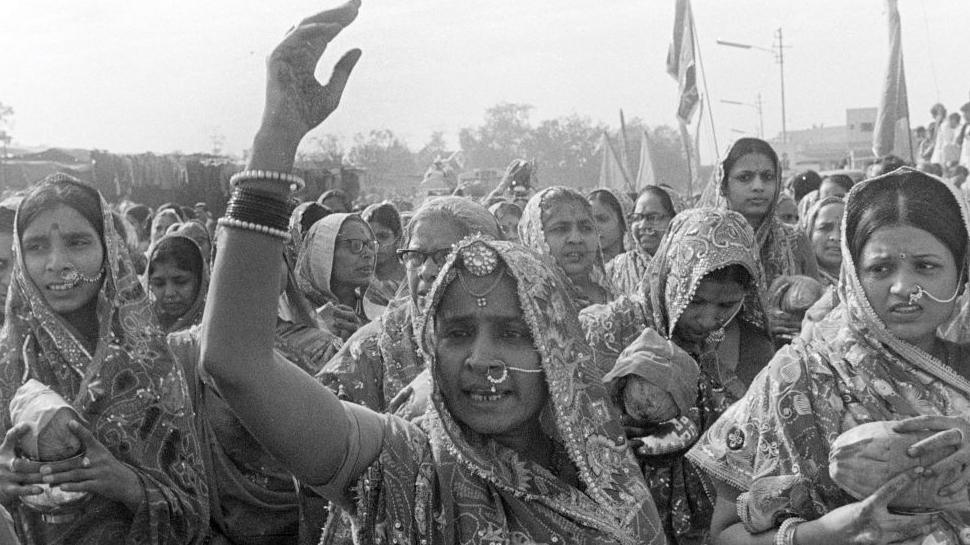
(778,49)
(757,107)
(781,65)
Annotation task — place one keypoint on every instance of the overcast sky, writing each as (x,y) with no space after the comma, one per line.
(131,76)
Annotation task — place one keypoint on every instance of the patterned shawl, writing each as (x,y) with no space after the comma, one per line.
(532,235)
(782,247)
(130,391)
(848,370)
(193,315)
(443,485)
(697,242)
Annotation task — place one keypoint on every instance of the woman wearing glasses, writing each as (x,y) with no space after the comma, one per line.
(335,266)
(648,223)
(381,359)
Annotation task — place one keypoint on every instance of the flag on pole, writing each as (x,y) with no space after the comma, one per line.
(624,149)
(681,63)
(891,134)
(612,175)
(645,173)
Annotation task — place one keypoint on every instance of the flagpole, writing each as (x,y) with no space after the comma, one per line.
(700,62)
(909,133)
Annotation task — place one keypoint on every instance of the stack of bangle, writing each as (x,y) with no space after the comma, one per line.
(296,183)
(258,211)
(786,532)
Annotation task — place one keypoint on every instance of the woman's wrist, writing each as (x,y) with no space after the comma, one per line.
(274,149)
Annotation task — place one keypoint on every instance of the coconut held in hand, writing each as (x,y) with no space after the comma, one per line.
(867,456)
(654,380)
(47,414)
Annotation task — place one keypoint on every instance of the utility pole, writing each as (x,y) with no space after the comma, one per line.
(781,64)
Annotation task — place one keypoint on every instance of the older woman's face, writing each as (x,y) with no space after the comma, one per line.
(830,188)
(432,238)
(649,222)
(354,255)
(896,260)
(751,186)
(475,343)
(56,244)
(826,236)
(388,242)
(571,235)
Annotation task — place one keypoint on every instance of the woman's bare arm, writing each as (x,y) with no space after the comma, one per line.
(294,417)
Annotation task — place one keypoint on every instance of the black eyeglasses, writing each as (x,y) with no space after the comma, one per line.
(416,258)
(357,245)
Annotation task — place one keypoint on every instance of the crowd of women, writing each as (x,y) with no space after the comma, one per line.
(579,369)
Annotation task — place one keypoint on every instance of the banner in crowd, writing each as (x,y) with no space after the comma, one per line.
(892,134)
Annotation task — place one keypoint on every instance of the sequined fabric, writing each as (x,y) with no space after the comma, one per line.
(131,393)
(698,241)
(847,370)
(442,484)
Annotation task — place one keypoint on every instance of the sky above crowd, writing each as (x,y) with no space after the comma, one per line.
(131,77)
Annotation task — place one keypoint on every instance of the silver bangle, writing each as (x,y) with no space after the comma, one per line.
(744,514)
(296,183)
(786,532)
(255,227)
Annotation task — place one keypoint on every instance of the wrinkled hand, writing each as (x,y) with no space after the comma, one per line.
(952,431)
(295,101)
(18,476)
(98,472)
(340,320)
(869,521)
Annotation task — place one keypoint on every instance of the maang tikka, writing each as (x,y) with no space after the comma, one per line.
(479,260)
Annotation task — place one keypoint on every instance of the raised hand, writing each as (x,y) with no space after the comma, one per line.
(295,101)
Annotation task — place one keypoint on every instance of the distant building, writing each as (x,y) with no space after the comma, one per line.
(829,148)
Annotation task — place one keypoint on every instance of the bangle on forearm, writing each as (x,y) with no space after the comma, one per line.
(295,182)
(260,207)
(744,514)
(255,227)
(786,532)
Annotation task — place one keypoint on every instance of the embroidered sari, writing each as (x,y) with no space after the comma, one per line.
(783,249)
(532,235)
(129,391)
(848,370)
(441,484)
(699,241)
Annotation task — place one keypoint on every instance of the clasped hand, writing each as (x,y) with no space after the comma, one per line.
(97,472)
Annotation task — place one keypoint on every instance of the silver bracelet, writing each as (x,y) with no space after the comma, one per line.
(786,532)
(744,514)
(255,227)
(296,183)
